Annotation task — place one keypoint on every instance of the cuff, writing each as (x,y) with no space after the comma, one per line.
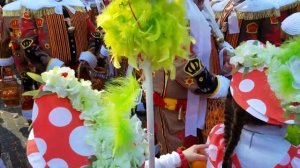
(54,62)
(228,47)
(222,89)
(6,61)
(88,57)
(168,160)
(104,52)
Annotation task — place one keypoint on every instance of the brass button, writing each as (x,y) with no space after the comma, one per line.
(47,45)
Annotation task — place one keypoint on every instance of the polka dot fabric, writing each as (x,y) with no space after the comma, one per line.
(253,93)
(217,147)
(216,152)
(58,137)
(292,158)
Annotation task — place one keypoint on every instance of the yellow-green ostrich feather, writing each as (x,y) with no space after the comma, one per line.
(117,136)
(155,29)
(118,100)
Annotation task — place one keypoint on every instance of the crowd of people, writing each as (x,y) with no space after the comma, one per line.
(226,106)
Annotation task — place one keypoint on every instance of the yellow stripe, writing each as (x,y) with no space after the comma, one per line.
(225,14)
(170,103)
(49,23)
(81,34)
(58,37)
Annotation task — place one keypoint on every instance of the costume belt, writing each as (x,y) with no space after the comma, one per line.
(178,105)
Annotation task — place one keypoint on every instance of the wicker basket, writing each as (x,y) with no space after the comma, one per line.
(214,115)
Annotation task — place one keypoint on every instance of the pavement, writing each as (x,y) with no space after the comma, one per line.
(13,137)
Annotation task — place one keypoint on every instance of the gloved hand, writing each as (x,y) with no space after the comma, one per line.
(226,52)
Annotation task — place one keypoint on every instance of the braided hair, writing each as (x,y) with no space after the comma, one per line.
(233,131)
(228,118)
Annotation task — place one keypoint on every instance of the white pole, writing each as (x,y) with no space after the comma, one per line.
(148,86)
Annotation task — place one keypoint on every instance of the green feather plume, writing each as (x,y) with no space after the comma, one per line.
(289,49)
(293,134)
(116,135)
(118,100)
(282,75)
(155,29)
(284,78)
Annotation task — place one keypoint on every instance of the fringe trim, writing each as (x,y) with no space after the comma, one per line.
(290,6)
(14,13)
(49,11)
(214,115)
(262,14)
(93,5)
(258,15)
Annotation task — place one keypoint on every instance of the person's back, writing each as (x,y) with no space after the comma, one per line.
(259,147)
(253,134)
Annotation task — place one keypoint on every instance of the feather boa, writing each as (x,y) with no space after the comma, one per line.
(155,30)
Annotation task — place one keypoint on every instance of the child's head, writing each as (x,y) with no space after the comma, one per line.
(265,89)
(235,119)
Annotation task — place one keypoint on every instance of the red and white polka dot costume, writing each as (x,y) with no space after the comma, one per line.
(259,147)
(253,93)
(58,135)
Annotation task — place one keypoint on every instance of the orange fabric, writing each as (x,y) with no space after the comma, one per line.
(215,61)
(170,104)
(233,39)
(58,36)
(81,31)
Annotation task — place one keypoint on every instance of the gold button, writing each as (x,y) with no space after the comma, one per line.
(201,79)
(47,45)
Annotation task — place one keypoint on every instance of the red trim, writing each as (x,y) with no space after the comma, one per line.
(158,101)
(184,162)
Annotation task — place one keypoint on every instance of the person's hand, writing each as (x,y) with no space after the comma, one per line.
(227,68)
(226,51)
(195,153)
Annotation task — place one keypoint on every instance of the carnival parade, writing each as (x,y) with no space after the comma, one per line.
(150,84)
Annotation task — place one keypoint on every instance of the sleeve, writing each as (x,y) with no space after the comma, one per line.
(95,42)
(192,75)
(169,160)
(30,43)
(6,58)
(225,46)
